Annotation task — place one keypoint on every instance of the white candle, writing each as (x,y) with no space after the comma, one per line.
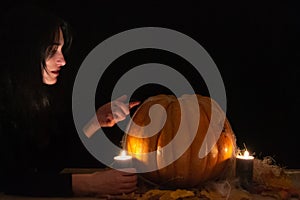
(123,160)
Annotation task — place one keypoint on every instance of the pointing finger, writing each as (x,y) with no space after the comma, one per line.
(133,103)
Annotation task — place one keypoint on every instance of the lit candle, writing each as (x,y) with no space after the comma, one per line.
(122,160)
(244,168)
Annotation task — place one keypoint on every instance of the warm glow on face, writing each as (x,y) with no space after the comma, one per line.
(55,62)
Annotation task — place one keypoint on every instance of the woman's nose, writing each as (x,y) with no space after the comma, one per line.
(60,60)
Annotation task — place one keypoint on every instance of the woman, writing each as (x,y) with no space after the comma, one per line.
(32,143)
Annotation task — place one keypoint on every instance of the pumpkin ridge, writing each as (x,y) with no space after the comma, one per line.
(191,152)
(203,128)
(186,155)
(165,138)
(220,158)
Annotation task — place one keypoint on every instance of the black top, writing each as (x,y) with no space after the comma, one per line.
(37,135)
(35,147)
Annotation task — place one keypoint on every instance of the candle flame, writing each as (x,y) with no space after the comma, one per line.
(123,153)
(246,153)
(123,156)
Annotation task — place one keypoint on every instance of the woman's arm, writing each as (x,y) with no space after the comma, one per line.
(109,181)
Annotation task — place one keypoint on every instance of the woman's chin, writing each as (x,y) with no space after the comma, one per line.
(49,82)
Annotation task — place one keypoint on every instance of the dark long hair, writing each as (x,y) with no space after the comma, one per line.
(27,34)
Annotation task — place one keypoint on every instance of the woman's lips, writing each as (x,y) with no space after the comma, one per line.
(55,72)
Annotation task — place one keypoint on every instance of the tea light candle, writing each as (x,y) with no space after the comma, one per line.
(244,168)
(122,160)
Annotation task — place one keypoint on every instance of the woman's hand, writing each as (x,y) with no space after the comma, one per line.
(111,113)
(105,182)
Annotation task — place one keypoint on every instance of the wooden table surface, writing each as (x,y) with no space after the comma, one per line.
(132,196)
(11,197)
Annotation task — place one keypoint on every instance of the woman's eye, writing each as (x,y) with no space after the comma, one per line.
(52,50)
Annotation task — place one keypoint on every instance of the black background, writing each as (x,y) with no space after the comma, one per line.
(254,45)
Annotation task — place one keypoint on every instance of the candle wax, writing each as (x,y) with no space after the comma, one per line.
(122,161)
(244,169)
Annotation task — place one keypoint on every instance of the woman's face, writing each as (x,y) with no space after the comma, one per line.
(54,62)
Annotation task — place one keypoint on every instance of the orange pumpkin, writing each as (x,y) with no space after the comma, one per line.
(188,169)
